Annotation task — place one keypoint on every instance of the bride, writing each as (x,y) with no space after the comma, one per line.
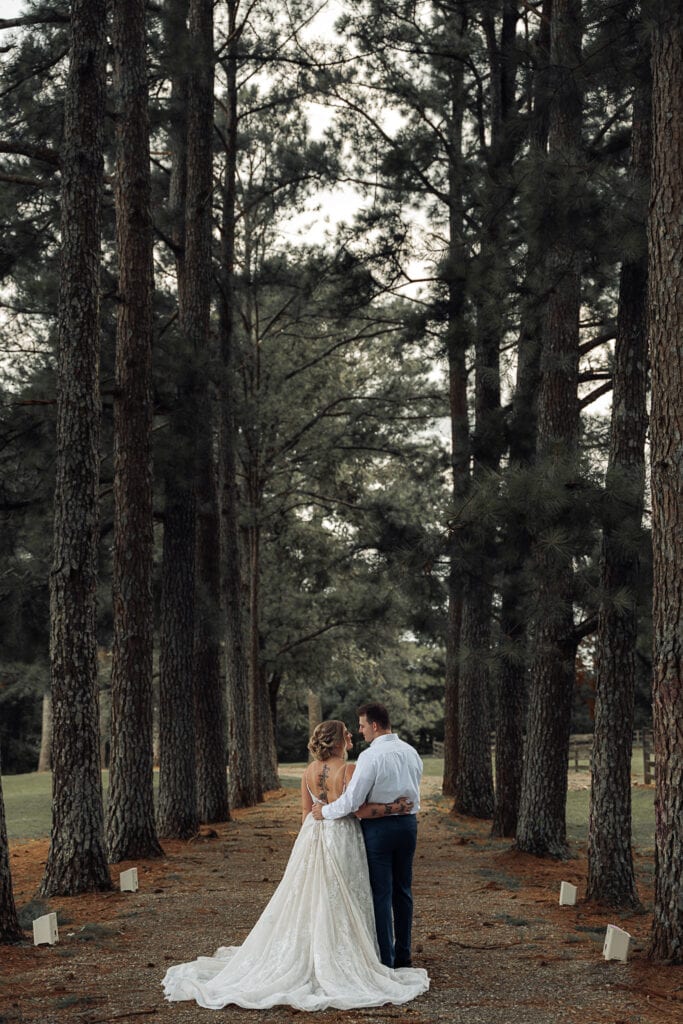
(314,945)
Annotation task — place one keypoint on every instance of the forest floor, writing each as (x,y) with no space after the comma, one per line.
(488,928)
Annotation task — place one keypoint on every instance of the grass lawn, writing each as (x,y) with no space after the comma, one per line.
(27,806)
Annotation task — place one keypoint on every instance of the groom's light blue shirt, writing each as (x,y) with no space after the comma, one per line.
(386,770)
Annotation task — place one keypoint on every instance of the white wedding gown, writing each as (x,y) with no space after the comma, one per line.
(314,945)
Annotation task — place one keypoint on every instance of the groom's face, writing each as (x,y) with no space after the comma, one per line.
(365,729)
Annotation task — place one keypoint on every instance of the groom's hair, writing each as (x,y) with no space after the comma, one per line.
(375,713)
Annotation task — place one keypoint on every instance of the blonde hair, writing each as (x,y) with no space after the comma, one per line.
(327,738)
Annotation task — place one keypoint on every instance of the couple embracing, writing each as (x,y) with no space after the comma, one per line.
(336,932)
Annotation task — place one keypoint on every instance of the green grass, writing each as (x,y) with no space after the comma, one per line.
(642,816)
(27,806)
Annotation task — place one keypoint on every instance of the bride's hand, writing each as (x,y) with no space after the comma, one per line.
(402,806)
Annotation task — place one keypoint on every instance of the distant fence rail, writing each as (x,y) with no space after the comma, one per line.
(581,750)
(648,757)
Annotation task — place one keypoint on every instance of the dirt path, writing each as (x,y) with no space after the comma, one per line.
(488,929)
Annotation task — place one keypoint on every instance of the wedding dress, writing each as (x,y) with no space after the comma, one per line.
(314,945)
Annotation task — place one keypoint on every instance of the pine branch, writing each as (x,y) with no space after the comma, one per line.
(316,633)
(21,179)
(43,153)
(45,17)
(583,378)
(600,339)
(584,629)
(594,395)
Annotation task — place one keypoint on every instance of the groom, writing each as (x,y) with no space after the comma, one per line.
(386,770)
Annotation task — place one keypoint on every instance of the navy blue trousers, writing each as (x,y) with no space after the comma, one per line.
(390,848)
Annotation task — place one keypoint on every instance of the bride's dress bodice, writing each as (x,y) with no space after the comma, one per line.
(314,945)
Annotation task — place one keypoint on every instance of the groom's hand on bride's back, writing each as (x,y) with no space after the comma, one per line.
(317,812)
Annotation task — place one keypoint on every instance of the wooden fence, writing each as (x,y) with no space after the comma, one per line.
(581,749)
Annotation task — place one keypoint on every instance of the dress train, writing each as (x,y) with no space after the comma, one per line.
(314,945)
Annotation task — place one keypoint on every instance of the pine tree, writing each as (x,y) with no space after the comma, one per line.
(9,922)
(490,285)
(244,787)
(130,808)
(212,786)
(177,811)
(611,877)
(77,859)
(516,539)
(541,826)
(665,308)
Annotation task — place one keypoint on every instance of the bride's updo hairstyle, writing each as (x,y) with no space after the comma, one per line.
(328,738)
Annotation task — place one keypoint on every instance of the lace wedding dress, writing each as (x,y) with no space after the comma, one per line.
(314,945)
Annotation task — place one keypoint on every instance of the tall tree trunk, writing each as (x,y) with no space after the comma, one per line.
(45,755)
(177,814)
(131,829)
(244,787)
(211,739)
(263,735)
(77,860)
(190,206)
(315,713)
(212,786)
(9,922)
(541,828)
(474,787)
(451,687)
(665,273)
(516,547)
(611,876)
(474,792)
(457,340)
(474,784)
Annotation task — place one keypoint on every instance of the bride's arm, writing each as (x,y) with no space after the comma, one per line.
(400,806)
(306,802)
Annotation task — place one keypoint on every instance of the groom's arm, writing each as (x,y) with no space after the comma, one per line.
(355,794)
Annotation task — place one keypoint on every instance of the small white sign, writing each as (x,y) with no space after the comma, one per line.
(617,944)
(45,930)
(567,894)
(128,880)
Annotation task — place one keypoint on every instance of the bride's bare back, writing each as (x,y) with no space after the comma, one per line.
(324,780)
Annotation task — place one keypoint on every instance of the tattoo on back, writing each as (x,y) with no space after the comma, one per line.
(322,780)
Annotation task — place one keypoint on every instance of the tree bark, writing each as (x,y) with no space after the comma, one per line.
(131,830)
(665,303)
(457,340)
(516,547)
(177,815)
(474,785)
(77,859)
(45,755)
(541,827)
(210,697)
(243,783)
(611,877)
(315,713)
(474,792)
(262,725)
(195,310)
(9,922)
